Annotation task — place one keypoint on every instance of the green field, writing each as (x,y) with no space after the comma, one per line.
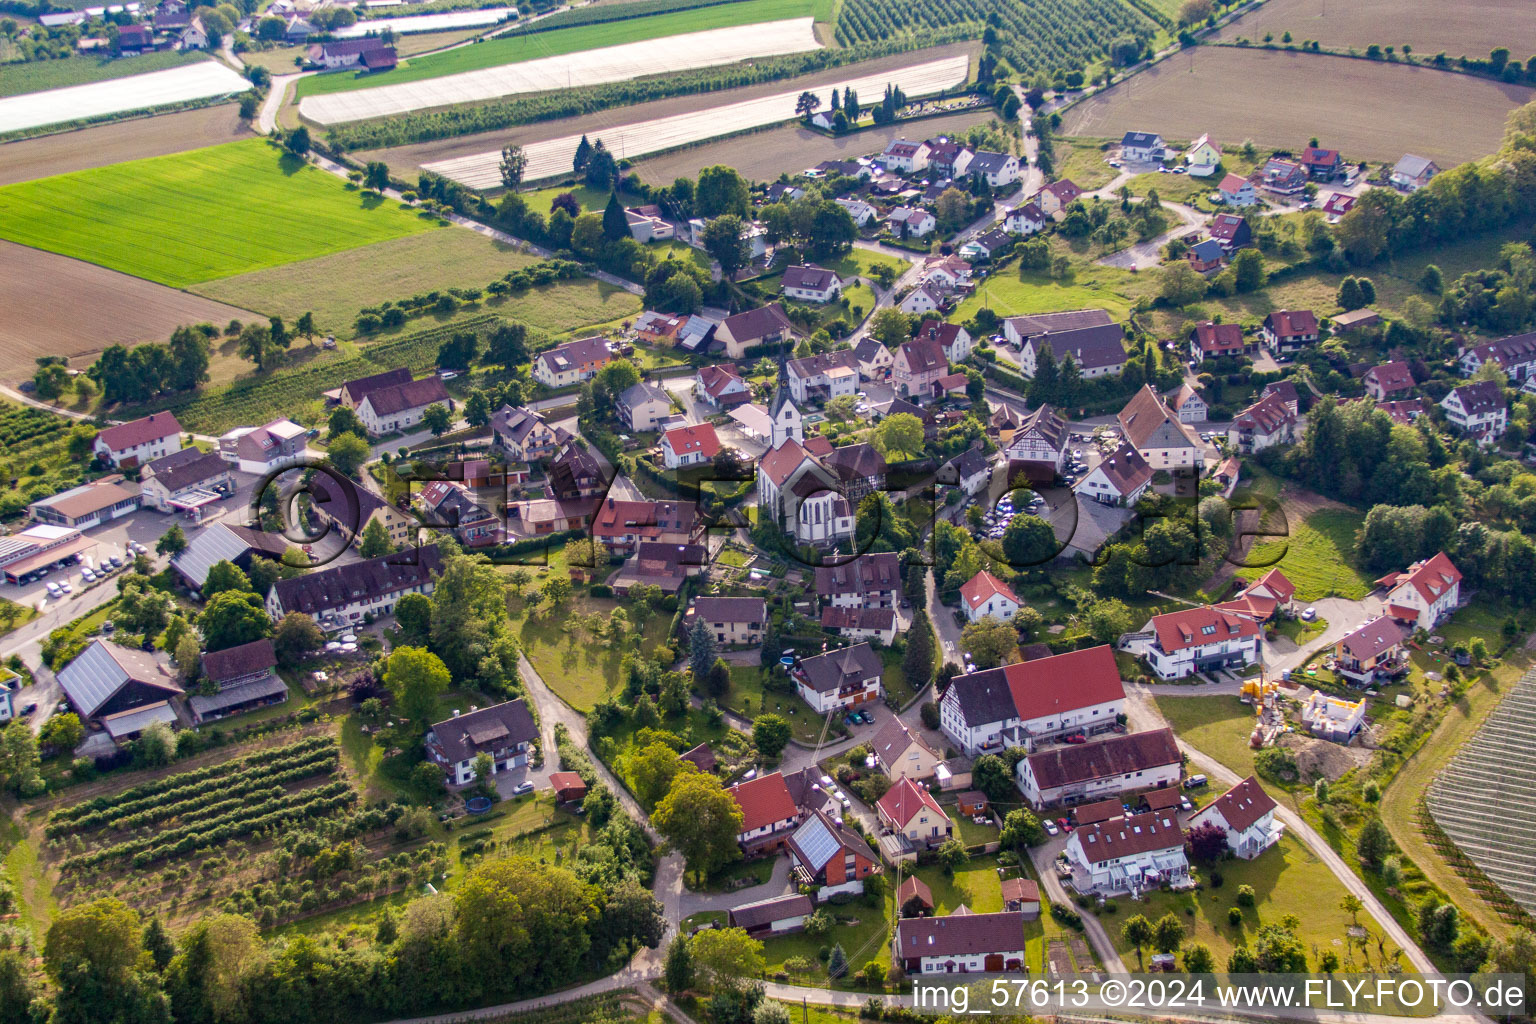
(1287,878)
(335,287)
(1217,726)
(1011,292)
(1318,556)
(196,216)
(38,75)
(514,49)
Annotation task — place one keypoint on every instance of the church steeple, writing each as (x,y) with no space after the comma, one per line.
(786,418)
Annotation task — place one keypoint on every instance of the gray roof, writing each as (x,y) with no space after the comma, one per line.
(832,670)
(983,697)
(1089,347)
(1139,140)
(342,585)
(186,468)
(135,720)
(766,912)
(985,162)
(230,696)
(1412,166)
(809,276)
(104,668)
(494,728)
(731,609)
(643,392)
(219,542)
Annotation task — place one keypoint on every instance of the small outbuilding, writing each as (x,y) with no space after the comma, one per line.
(569,787)
(1022,895)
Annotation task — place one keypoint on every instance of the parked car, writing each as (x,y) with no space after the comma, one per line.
(1194,782)
(1186,804)
(1050,826)
(1066,825)
(1076,737)
(521,788)
(1308,614)
(108,626)
(27,709)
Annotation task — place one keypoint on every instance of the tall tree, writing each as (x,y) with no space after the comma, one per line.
(917,660)
(615,223)
(257,345)
(725,240)
(702,649)
(513,163)
(583,154)
(232,618)
(701,819)
(721,191)
(416,678)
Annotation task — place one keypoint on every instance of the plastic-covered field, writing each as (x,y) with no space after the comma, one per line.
(426,22)
(119,95)
(553,157)
(592,67)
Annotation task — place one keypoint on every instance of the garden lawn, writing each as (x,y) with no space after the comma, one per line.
(976,885)
(580,673)
(1318,556)
(863,930)
(1011,292)
(196,216)
(1082,162)
(748,699)
(1217,726)
(1287,879)
(894,680)
(518,47)
(36,76)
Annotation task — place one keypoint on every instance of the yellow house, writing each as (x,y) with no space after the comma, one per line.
(733,621)
(902,753)
(910,811)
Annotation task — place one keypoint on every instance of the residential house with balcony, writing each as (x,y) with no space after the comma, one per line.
(828,856)
(1247,815)
(732,621)
(840,679)
(1025,220)
(138,441)
(266,448)
(768,813)
(1190,640)
(1231,232)
(1056,197)
(909,811)
(642,407)
(1097,770)
(903,753)
(904,156)
(810,283)
(1323,164)
(1141,853)
(1478,410)
(721,387)
(1388,380)
(861,623)
(1373,652)
(1035,701)
(343,596)
(1288,331)
(186,481)
(871,580)
(1263,424)
(1425,594)
(571,363)
(1238,191)
(526,436)
(621,524)
(1142,147)
(682,447)
(1120,478)
(918,365)
(504,731)
(1515,355)
(999,170)
(1412,173)
(401,407)
(823,376)
(1210,340)
(955,340)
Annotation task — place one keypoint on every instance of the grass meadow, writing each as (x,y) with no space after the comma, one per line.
(1318,556)
(193,217)
(518,47)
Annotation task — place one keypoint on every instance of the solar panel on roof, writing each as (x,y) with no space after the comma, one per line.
(817,842)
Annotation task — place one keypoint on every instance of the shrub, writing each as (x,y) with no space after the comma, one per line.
(1234,916)
(1245,896)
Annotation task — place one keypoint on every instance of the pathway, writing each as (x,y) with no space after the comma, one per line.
(1042,858)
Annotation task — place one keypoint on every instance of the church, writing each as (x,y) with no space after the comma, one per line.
(795,488)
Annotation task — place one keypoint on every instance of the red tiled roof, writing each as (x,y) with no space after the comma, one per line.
(1232,182)
(1020,890)
(914,887)
(1140,833)
(1289,323)
(1182,629)
(698,439)
(1431,578)
(778,463)
(1390,377)
(1243,804)
(763,801)
(1077,679)
(1373,638)
(983,585)
(1276,583)
(1216,338)
(141,431)
(903,801)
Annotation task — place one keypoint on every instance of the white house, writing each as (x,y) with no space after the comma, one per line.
(1412,173)
(985,595)
(955,340)
(1018,705)
(768,812)
(1025,220)
(1425,594)
(1158,434)
(1477,409)
(1238,191)
(823,376)
(504,731)
(872,580)
(905,156)
(875,360)
(689,446)
(971,471)
(1187,403)
(1142,147)
(721,386)
(185,480)
(343,596)
(922,299)
(810,283)
(1129,854)
(1288,331)
(1515,355)
(961,943)
(1247,814)
(139,441)
(401,406)
(861,212)
(263,449)
(1181,643)
(997,169)
(1077,773)
(1119,479)
(840,679)
(1265,423)
(910,222)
